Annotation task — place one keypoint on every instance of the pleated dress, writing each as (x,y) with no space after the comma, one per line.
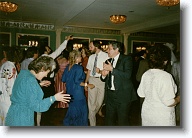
(77,113)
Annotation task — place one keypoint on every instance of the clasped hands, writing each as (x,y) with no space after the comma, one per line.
(106,68)
(45,83)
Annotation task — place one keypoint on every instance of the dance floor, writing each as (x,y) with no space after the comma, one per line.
(54,117)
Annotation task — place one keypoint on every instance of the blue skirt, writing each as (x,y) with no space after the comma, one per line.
(77,114)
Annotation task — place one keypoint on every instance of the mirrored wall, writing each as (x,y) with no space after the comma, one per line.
(78,42)
(27,40)
(104,43)
(139,45)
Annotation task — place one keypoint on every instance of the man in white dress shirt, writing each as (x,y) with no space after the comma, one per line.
(95,95)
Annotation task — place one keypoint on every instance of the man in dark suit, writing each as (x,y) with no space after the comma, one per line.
(119,89)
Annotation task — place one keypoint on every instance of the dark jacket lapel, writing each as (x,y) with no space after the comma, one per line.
(119,61)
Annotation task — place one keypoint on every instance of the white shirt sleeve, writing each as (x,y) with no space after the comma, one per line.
(168,91)
(140,90)
(89,63)
(58,51)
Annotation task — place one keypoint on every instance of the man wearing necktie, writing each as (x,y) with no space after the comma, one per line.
(119,90)
(94,66)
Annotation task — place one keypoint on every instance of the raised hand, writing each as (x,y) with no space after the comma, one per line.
(70,37)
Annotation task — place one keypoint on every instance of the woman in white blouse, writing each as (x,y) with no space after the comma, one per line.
(159,90)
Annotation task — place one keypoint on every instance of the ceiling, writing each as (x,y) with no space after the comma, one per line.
(142,15)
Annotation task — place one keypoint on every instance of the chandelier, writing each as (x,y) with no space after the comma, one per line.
(118,19)
(167,3)
(8,6)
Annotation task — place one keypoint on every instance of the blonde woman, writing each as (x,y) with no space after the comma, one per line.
(74,76)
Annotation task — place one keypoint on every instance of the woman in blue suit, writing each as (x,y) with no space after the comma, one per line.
(74,76)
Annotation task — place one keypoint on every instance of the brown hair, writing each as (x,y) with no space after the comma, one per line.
(43,63)
(158,55)
(87,52)
(97,43)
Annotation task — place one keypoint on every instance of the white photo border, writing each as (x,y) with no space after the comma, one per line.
(185,131)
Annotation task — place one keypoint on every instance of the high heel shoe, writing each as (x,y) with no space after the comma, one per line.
(100,114)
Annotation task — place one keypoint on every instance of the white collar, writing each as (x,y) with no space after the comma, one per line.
(116,57)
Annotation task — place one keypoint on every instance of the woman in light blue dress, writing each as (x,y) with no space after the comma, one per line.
(27,95)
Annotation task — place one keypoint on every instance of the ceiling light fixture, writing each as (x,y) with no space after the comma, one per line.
(118,19)
(8,6)
(167,3)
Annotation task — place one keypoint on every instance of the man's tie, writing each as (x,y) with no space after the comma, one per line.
(109,81)
(95,65)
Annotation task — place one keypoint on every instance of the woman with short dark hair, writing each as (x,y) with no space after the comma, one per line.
(159,90)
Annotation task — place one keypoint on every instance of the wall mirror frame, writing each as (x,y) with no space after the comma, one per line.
(5,39)
(161,43)
(104,43)
(26,40)
(79,42)
(139,45)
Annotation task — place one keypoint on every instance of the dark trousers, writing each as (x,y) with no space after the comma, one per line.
(117,113)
